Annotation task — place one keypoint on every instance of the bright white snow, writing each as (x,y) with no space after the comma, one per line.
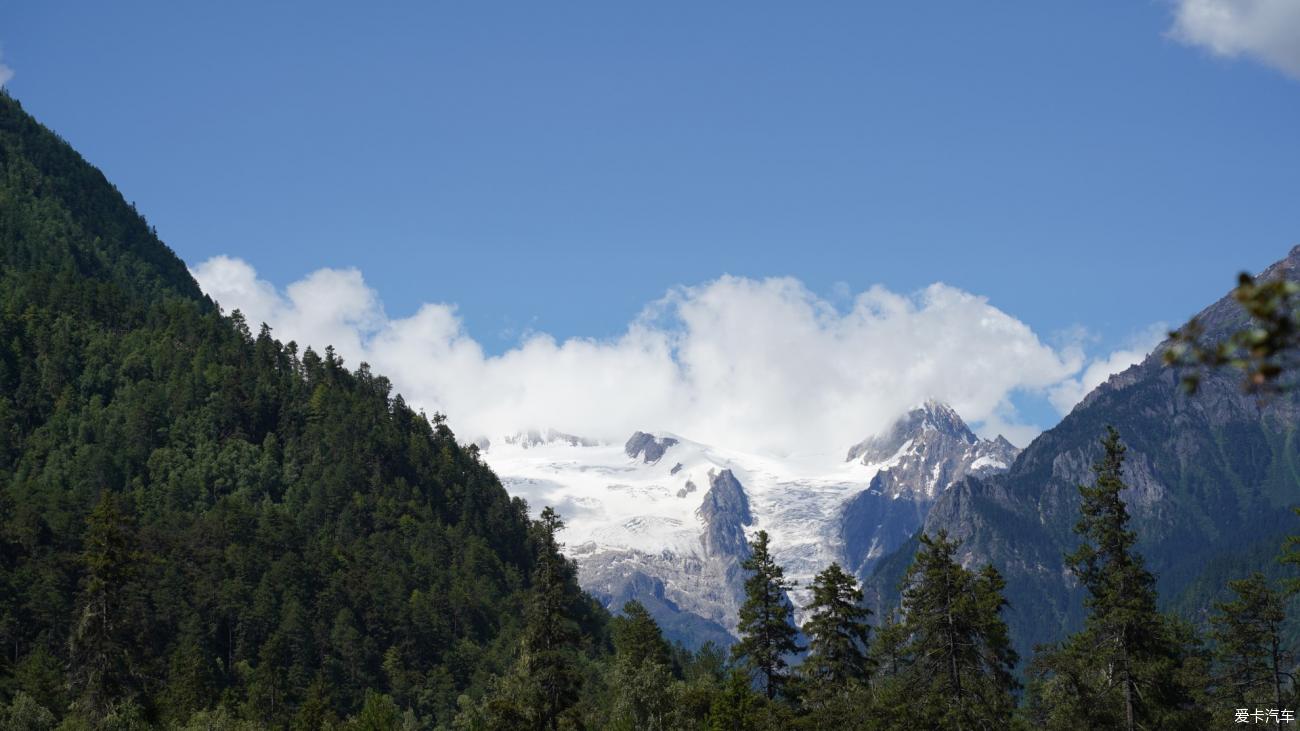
(610,501)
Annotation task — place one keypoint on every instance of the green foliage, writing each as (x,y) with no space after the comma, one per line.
(837,630)
(959,667)
(1123,669)
(108,633)
(1265,350)
(549,660)
(200,525)
(1121,592)
(737,707)
(767,630)
(637,638)
(378,713)
(1252,658)
(643,696)
(23,713)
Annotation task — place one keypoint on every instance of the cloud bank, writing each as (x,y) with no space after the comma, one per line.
(1266,30)
(758,365)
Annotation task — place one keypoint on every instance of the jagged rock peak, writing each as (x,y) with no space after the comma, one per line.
(647,447)
(725,510)
(919,458)
(536,438)
(931,416)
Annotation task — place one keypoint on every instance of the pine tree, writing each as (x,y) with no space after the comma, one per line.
(961,676)
(641,697)
(1123,669)
(1252,658)
(637,637)
(736,706)
(837,630)
(551,636)
(767,630)
(642,676)
(889,648)
(1123,622)
(106,641)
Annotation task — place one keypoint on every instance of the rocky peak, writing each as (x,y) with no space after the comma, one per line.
(647,447)
(929,423)
(725,512)
(993,455)
(924,453)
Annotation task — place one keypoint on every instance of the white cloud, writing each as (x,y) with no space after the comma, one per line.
(1065,395)
(1266,30)
(758,365)
(6,73)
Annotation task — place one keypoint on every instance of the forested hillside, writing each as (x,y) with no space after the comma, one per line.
(196,518)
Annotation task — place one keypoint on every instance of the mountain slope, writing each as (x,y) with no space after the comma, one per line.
(1211,476)
(193,514)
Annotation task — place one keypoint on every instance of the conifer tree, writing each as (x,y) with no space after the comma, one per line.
(736,706)
(767,631)
(641,697)
(1252,658)
(961,676)
(1123,624)
(551,636)
(1123,669)
(837,630)
(889,647)
(637,637)
(642,674)
(106,640)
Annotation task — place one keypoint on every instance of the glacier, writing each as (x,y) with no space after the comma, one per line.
(664,519)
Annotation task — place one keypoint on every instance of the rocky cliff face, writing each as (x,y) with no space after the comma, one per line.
(647,447)
(695,595)
(1211,477)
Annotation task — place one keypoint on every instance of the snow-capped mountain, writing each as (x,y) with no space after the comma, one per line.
(920,456)
(666,520)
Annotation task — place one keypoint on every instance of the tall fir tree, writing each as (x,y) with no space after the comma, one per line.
(1123,669)
(1121,592)
(767,630)
(1252,658)
(637,637)
(642,677)
(837,630)
(889,647)
(549,659)
(961,676)
(107,638)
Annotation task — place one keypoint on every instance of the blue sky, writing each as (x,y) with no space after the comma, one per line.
(556,167)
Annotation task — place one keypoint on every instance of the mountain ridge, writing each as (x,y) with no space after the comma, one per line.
(1203,470)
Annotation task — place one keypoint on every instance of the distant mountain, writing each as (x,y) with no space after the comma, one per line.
(920,456)
(1211,478)
(666,520)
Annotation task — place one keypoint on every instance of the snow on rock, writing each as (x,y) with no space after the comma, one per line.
(669,516)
